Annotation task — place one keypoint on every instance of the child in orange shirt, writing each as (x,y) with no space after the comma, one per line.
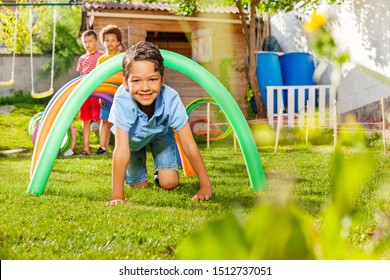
(111,38)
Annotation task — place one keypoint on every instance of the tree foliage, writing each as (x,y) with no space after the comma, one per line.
(66,43)
(7,29)
(273,6)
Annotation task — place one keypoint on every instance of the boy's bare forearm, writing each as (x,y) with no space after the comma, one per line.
(198,165)
(120,158)
(119,164)
(194,156)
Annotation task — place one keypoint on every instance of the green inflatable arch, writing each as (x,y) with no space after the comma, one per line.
(171,60)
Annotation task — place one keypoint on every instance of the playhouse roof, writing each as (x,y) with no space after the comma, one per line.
(89,6)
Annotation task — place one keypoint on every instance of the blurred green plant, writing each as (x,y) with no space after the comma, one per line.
(322,42)
(263,134)
(271,232)
(324,46)
(225,65)
(250,106)
(281,230)
(351,167)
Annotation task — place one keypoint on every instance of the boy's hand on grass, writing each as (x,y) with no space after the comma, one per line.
(114,202)
(203,194)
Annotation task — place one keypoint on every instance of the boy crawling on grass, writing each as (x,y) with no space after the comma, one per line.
(145,112)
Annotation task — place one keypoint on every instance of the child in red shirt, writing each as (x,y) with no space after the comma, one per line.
(90,110)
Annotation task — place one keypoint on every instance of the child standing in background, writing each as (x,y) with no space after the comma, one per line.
(90,110)
(111,38)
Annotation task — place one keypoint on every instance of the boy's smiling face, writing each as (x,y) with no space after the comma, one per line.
(144,84)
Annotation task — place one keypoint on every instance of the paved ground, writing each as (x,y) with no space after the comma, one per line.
(6,110)
(13,151)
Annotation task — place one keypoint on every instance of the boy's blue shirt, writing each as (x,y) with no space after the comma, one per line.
(169,114)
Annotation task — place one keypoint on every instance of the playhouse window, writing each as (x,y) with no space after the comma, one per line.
(202,45)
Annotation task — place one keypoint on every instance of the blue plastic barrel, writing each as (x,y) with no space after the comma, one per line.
(297,70)
(268,73)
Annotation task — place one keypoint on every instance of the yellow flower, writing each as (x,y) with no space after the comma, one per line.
(317,22)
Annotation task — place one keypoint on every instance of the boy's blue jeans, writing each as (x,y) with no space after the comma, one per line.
(165,157)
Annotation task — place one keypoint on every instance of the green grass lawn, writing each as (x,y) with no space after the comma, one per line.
(71,221)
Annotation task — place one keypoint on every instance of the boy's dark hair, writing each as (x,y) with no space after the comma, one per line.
(140,51)
(89,33)
(110,29)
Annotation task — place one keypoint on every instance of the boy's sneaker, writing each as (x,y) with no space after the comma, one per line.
(101,151)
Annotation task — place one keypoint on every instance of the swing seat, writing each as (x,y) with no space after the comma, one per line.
(42,94)
(7,84)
